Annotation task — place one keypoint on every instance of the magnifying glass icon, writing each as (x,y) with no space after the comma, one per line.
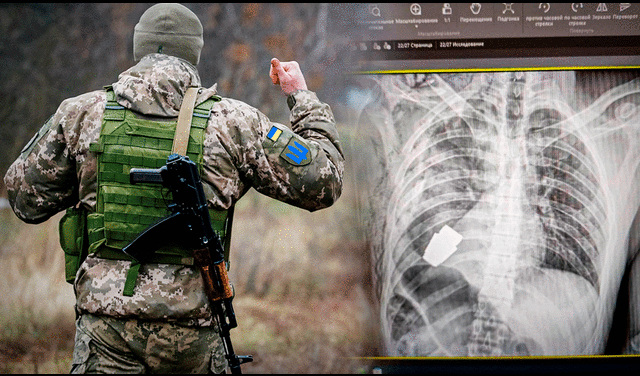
(375,10)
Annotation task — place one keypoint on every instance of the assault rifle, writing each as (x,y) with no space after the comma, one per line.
(189,220)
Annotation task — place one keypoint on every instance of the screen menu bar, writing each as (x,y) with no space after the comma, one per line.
(492,20)
(386,32)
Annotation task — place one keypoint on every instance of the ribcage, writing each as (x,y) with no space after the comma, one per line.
(447,169)
(567,198)
(564,187)
(503,160)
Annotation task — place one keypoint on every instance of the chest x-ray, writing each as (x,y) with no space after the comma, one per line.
(500,208)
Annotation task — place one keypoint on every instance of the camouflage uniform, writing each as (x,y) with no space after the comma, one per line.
(110,345)
(56,171)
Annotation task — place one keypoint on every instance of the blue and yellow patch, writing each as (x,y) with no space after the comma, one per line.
(274,134)
(291,147)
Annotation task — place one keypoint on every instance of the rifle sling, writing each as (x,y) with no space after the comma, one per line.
(181,138)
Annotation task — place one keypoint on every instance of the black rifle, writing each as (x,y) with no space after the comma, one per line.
(189,221)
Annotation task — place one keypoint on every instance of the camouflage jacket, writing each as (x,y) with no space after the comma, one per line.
(242,149)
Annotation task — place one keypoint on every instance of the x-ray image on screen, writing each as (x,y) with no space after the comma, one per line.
(501,209)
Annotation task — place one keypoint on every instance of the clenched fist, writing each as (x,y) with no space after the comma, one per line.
(288,75)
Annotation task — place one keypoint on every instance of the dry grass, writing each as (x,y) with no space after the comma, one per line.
(304,301)
(36,310)
(302,283)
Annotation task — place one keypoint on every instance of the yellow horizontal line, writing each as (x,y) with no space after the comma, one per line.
(467,70)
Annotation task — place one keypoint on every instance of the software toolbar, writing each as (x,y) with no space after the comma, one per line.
(491,20)
(410,31)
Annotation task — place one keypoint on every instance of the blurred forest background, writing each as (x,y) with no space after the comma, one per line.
(303,300)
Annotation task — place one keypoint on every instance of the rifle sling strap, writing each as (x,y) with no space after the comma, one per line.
(181,138)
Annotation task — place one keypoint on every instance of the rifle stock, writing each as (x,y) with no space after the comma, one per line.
(156,236)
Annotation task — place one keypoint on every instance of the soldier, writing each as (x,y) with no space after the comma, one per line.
(155,317)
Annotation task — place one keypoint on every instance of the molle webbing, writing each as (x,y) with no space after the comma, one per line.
(123,210)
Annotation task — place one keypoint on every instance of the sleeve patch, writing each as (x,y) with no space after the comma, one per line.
(274,134)
(297,152)
(289,146)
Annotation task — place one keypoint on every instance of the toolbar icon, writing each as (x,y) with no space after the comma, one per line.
(475,8)
(374,10)
(624,6)
(508,7)
(545,7)
(416,9)
(602,7)
(446,9)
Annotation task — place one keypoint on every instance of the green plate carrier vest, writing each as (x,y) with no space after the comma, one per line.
(123,210)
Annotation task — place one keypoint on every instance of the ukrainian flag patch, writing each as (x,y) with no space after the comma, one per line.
(274,134)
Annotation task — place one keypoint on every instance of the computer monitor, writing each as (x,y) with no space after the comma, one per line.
(446,37)
(498,167)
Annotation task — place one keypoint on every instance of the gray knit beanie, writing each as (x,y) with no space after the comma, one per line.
(171,29)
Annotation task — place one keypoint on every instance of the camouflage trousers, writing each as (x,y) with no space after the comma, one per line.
(109,345)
